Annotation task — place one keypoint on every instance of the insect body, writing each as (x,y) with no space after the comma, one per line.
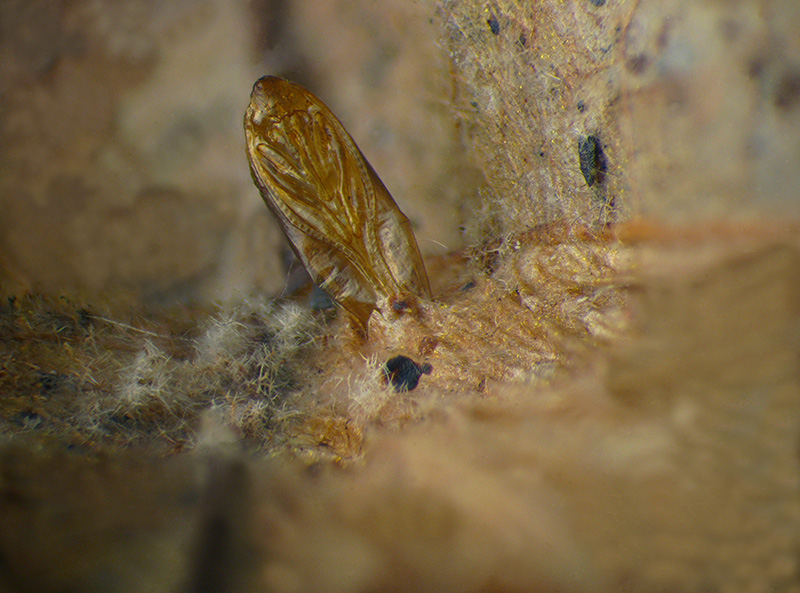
(592,160)
(338,216)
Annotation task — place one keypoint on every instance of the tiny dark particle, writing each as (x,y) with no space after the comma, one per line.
(27,419)
(581,106)
(756,67)
(663,35)
(403,373)
(49,382)
(592,160)
(494,25)
(597,2)
(787,95)
(398,306)
(638,64)
(84,318)
(523,40)
(468,286)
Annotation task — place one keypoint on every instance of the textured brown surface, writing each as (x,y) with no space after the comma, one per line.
(693,104)
(663,459)
(610,408)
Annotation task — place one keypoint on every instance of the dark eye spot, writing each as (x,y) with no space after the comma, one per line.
(403,373)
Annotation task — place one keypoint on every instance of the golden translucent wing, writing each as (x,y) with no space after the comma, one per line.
(338,216)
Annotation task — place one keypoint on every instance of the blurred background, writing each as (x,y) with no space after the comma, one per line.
(123,165)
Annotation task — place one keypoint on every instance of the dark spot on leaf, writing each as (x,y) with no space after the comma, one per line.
(638,64)
(403,373)
(85,318)
(663,36)
(592,160)
(50,383)
(730,30)
(399,305)
(494,25)
(756,67)
(788,92)
(581,106)
(27,419)
(597,2)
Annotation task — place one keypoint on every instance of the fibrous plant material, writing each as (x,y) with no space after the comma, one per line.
(687,97)
(78,376)
(526,91)
(631,473)
(338,216)
(243,365)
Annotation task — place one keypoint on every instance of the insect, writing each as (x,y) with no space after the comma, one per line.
(592,160)
(494,25)
(339,218)
(404,374)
